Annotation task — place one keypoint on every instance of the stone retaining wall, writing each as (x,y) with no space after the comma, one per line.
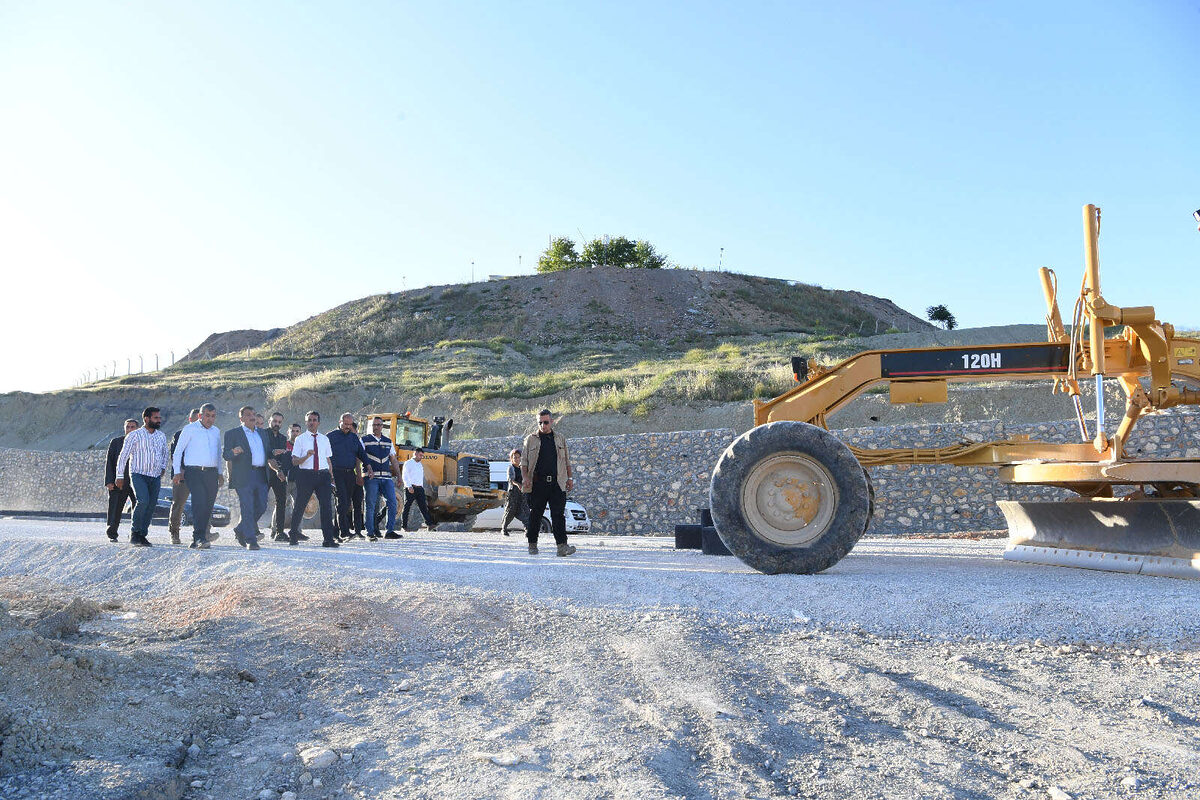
(646,483)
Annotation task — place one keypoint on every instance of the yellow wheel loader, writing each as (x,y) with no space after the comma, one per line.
(788,496)
(457,485)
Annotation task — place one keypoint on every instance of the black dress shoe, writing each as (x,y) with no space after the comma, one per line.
(112,538)
(139,541)
(392,535)
(330,543)
(253,545)
(195,545)
(302,537)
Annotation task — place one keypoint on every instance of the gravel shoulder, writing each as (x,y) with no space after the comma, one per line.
(454,665)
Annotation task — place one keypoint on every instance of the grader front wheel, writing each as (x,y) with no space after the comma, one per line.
(789,497)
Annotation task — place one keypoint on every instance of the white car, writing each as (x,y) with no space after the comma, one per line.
(490,520)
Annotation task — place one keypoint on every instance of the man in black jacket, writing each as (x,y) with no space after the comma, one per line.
(118,496)
(179,492)
(279,461)
(247,449)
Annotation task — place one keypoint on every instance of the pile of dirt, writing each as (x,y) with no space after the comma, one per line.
(591,307)
(218,344)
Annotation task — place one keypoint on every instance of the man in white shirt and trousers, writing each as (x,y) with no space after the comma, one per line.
(413,475)
(198,461)
(311,453)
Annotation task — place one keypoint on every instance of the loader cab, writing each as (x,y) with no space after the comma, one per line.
(406,432)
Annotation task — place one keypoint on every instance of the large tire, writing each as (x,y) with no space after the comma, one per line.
(789,497)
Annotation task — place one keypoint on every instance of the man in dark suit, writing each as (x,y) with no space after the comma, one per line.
(118,496)
(180,491)
(247,449)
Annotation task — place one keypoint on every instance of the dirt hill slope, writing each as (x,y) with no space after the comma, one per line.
(596,305)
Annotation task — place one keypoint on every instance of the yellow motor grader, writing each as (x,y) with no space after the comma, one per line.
(788,496)
(457,485)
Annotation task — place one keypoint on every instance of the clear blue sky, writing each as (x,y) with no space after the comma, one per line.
(169,169)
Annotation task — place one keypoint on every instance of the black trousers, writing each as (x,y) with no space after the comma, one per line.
(344,483)
(117,498)
(357,498)
(515,508)
(307,482)
(280,490)
(203,485)
(547,493)
(417,495)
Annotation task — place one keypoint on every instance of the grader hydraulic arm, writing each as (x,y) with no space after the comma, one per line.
(788,496)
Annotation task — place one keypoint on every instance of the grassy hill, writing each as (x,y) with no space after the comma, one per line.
(647,349)
(595,340)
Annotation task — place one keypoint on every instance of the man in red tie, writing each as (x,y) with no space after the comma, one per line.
(310,456)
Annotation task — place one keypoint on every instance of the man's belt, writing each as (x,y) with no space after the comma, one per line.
(202,469)
(549,478)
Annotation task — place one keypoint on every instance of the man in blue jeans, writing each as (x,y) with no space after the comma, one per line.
(147,453)
(246,449)
(381,455)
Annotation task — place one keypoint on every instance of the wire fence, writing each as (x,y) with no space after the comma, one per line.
(129,365)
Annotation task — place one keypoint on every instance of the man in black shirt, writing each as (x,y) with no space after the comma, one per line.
(546,470)
(118,496)
(278,461)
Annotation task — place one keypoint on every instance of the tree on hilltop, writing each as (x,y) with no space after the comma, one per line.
(617,251)
(941,315)
(558,256)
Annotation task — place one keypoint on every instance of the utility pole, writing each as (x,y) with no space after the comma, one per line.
(141,363)
(156,362)
(128,365)
(172,358)
(721,261)
(472,272)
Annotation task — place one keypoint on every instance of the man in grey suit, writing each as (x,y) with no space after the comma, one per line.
(247,449)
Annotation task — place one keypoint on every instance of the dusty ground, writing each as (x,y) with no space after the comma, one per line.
(454,665)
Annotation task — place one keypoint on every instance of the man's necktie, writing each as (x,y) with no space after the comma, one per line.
(315,465)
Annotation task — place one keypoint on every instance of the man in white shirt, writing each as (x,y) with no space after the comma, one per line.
(413,475)
(310,471)
(147,453)
(198,461)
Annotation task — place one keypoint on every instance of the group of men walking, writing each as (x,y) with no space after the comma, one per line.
(262,461)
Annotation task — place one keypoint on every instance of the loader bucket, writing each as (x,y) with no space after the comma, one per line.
(1145,537)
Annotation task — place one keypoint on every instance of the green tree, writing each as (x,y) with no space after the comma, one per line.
(558,256)
(941,315)
(616,252)
(647,257)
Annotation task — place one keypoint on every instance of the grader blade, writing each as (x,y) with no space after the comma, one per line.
(1144,537)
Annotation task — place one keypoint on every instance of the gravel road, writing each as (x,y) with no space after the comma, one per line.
(454,665)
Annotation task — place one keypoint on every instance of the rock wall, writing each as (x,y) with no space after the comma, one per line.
(39,480)
(646,483)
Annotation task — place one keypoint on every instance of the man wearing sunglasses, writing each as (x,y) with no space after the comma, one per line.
(546,474)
